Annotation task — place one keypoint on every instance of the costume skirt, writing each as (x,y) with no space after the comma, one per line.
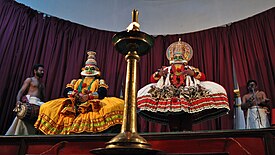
(202,107)
(59,116)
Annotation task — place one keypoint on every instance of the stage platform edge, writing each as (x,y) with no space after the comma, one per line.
(258,142)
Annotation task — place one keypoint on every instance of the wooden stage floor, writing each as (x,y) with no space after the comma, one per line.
(239,142)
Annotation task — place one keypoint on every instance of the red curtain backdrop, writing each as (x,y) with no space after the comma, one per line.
(28,37)
(252,43)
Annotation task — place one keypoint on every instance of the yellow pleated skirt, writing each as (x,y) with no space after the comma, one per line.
(59,116)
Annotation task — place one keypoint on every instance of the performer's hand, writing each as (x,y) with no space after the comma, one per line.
(18,103)
(266,100)
(73,94)
(251,100)
(17,106)
(188,72)
(83,97)
(162,71)
(77,97)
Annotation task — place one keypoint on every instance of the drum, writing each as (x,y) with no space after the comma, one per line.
(28,112)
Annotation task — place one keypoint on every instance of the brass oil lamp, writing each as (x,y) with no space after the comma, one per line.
(132,43)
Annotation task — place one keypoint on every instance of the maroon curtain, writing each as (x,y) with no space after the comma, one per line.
(252,42)
(28,37)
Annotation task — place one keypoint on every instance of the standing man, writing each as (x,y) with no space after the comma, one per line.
(256,104)
(28,102)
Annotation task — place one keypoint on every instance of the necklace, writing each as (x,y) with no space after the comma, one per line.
(81,83)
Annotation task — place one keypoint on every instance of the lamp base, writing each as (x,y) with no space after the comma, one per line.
(126,151)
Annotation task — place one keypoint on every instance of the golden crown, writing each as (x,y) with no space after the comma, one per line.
(179,52)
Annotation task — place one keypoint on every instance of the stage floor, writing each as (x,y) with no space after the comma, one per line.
(258,142)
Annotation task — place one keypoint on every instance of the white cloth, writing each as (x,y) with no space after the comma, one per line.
(19,127)
(257,118)
(212,87)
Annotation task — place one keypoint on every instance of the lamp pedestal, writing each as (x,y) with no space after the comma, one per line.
(133,44)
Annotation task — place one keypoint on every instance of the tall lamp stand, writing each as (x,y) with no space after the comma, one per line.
(133,44)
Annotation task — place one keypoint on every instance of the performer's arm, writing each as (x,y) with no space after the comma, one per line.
(101,92)
(200,76)
(246,102)
(195,72)
(155,77)
(24,87)
(69,88)
(67,92)
(158,74)
(265,101)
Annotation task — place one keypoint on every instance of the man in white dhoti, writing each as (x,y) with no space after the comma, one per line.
(255,104)
(28,103)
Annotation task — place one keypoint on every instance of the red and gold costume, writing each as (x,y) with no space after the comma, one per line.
(181,89)
(86,109)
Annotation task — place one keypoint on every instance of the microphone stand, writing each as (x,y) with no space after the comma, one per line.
(257,108)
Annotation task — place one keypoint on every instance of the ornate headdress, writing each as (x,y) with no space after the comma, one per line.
(179,52)
(90,68)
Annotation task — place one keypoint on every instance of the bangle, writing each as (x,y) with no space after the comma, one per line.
(198,75)
(157,74)
(90,96)
(70,94)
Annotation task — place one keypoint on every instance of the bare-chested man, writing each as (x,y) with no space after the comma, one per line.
(255,103)
(33,85)
(32,92)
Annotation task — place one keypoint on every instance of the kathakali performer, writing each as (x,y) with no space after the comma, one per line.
(86,109)
(179,94)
